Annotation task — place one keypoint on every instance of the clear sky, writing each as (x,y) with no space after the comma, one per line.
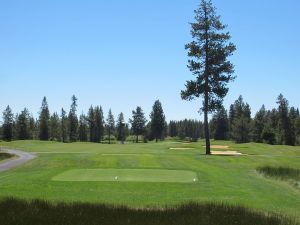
(121,54)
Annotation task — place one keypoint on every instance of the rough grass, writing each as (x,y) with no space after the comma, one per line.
(128,175)
(283,173)
(38,212)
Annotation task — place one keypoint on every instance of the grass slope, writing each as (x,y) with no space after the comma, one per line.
(229,180)
(37,212)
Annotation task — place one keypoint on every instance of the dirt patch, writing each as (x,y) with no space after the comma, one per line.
(226,153)
(218,147)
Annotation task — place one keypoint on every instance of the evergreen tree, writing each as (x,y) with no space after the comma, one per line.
(121,128)
(99,124)
(91,123)
(241,121)
(259,123)
(32,128)
(297,128)
(44,121)
(1,132)
(73,121)
(83,127)
(110,125)
(8,120)
(284,127)
(220,124)
(55,132)
(269,131)
(173,132)
(22,125)
(209,62)
(293,116)
(64,126)
(158,121)
(138,122)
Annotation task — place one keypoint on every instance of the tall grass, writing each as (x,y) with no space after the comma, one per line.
(20,212)
(283,173)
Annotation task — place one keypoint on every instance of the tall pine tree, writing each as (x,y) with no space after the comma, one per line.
(241,121)
(284,128)
(209,62)
(158,121)
(8,120)
(23,126)
(73,121)
(83,128)
(55,132)
(259,123)
(44,121)
(220,124)
(110,125)
(91,124)
(99,124)
(121,128)
(64,126)
(138,122)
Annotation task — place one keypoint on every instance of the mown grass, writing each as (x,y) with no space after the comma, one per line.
(224,180)
(284,173)
(128,175)
(36,212)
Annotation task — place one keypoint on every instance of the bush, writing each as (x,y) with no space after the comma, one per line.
(105,140)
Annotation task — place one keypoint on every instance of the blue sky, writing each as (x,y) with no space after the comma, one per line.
(121,54)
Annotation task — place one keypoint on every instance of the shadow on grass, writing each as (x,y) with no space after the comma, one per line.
(4,155)
(40,212)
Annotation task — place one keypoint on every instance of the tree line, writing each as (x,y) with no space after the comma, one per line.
(93,127)
(279,125)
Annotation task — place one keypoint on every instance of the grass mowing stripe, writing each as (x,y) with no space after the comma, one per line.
(128,175)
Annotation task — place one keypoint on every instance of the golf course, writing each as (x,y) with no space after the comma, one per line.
(155,175)
(149,112)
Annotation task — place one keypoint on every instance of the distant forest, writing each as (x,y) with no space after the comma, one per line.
(280,125)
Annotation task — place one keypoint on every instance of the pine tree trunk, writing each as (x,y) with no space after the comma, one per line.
(137,138)
(109,137)
(206,131)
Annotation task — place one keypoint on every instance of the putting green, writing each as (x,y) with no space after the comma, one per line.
(128,175)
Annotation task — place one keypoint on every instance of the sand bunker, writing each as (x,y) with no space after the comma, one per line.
(218,147)
(181,148)
(226,153)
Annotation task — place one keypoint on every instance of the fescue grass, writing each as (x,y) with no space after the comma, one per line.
(284,173)
(36,212)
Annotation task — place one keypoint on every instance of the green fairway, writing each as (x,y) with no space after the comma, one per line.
(128,175)
(231,180)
